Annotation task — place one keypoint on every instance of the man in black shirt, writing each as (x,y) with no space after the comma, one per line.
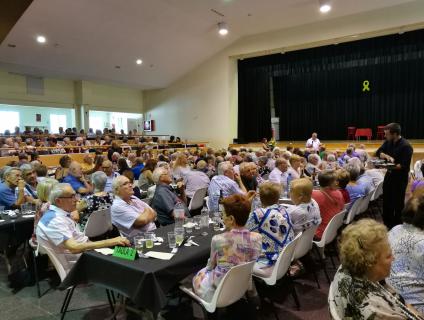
(398,151)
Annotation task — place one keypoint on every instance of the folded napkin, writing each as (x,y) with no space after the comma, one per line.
(159,255)
(189,225)
(105,251)
(29,216)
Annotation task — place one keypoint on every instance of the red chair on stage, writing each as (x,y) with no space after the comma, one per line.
(351,133)
(380,132)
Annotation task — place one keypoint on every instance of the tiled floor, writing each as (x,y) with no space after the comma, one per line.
(91,303)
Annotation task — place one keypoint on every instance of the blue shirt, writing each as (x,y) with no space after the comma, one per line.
(7,196)
(137,170)
(74,182)
(355,192)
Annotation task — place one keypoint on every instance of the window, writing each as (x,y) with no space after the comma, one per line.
(56,121)
(8,121)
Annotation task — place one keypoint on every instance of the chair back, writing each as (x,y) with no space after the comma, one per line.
(60,264)
(365,202)
(233,286)
(284,261)
(98,223)
(331,304)
(197,200)
(354,210)
(378,191)
(305,243)
(330,232)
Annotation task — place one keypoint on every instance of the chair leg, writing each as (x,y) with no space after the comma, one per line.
(274,310)
(323,264)
(316,278)
(64,301)
(65,307)
(37,283)
(332,261)
(109,299)
(294,293)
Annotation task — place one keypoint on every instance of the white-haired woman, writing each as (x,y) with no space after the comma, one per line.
(99,200)
(366,258)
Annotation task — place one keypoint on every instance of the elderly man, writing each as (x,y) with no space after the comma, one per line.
(129,214)
(58,231)
(107,168)
(313,142)
(31,182)
(280,173)
(165,199)
(76,179)
(12,180)
(226,183)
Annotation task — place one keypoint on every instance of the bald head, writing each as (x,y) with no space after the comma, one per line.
(75,169)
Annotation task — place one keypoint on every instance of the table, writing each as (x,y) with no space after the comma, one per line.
(363,132)
(15,231)
(145,281)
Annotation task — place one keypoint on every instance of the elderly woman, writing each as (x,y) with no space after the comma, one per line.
(180,167)
(62,171)
(165,199)
(99,200)
(43,192)
(273,223)
(366,258)
(407,242)
(311,168)
(295,167)
(145,180)
(355,189)
(343,179)
(235,246)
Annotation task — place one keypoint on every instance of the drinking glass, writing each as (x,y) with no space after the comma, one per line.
(179,236)
(172,239)
(189,225)
(149,239)
(197,222)
(138,244)
(216,220)
(204,223)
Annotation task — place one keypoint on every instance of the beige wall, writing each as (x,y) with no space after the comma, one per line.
(203,103)
(71,94)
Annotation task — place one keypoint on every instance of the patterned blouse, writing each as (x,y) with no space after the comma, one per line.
(228,249)
(407,272)
(274,224)
(95,203)
(360,299)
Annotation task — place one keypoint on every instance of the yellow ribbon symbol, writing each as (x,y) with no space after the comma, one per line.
(366,86)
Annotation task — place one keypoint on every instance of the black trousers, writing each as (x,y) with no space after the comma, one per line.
(394,188)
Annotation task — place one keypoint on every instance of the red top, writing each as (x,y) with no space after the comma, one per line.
(345,194)
(330,202)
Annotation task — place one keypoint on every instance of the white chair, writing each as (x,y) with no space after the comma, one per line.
(353,211)
(197,200)
(365,202)
(304,246)
(330,233)
(378,191)
(232,288)
(332,308)
(98,223)
(281,268)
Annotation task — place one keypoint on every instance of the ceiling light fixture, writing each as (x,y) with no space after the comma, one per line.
(139,61)
(222,28)
(41,39)
(324,6)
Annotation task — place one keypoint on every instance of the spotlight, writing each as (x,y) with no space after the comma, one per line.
(222,28)
(139,61)
(324,6)
(41,39)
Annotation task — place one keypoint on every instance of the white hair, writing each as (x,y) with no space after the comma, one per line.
(313,155)
(99,179)
(117,183)
(58,191)
(224,166)
(331,157)
(158,173)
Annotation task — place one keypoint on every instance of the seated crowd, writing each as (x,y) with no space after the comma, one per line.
(249,185)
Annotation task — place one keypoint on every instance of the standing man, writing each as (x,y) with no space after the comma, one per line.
(398,151)
(313,142)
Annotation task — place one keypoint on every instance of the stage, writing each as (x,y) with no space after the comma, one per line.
(340,145)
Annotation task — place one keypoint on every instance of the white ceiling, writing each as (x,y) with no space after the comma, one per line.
(88,38)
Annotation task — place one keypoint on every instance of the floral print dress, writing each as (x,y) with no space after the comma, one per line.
(228,249)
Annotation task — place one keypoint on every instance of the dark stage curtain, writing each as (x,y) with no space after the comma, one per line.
(254,96)
(323,90)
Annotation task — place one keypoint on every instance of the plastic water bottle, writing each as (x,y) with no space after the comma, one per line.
(289,180)
(179,213)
